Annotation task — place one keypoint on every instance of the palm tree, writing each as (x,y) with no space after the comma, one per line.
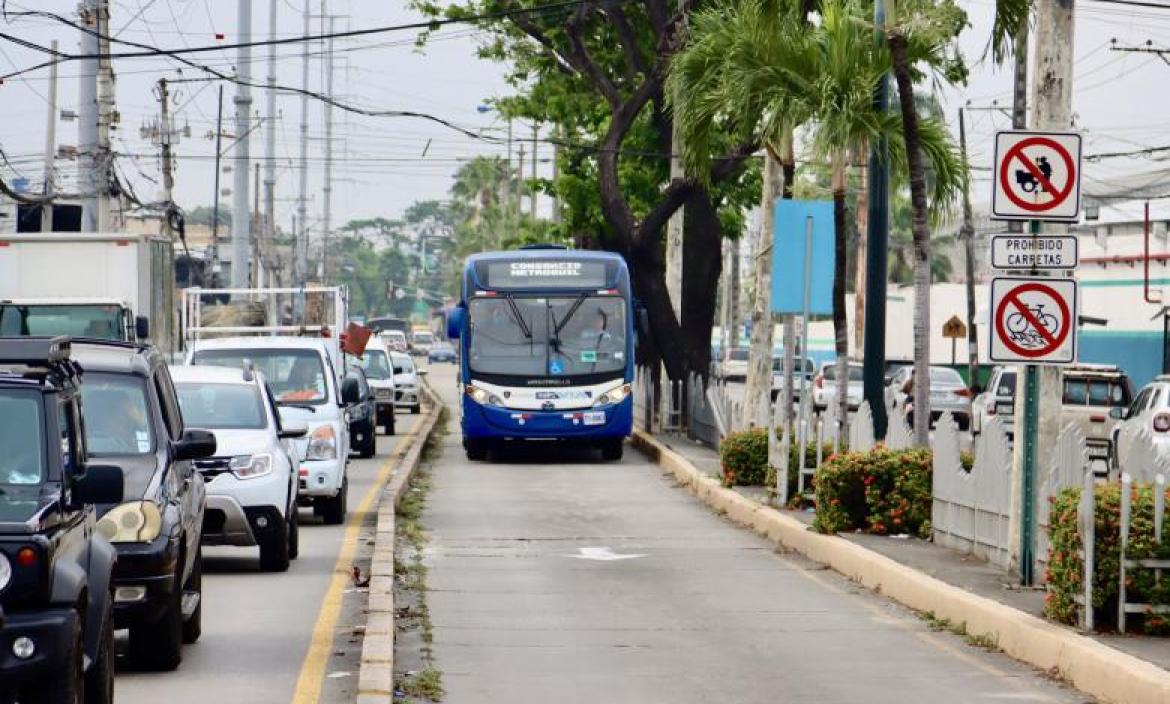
(478,182)
(923,32)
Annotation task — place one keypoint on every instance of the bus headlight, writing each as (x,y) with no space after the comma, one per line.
(613,396)
(133,522)
(482,397)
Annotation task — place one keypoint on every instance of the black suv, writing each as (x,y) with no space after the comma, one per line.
(56,597)
(133,421)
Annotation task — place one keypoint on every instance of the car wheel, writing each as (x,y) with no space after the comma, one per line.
(477,450)
(294,533)
(65,688)
(416,409)
(274,550)
(158,646)
(99,681)
(333,508)
(369,442)
(193,626)
(611,451)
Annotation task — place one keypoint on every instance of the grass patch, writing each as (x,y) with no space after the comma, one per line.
(427,683)
(987,641)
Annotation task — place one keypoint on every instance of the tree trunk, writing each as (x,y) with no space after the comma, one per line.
(759,375)
(840,315)
(788,167)
(920,228)
(862,251)
(702,233)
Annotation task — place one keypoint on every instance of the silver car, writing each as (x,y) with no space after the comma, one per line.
(998,401)
(803,367)
(948,394)
(824,390)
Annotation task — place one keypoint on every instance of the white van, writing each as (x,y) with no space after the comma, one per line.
(306,381)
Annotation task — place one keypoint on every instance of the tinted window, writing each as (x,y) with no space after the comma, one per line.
(1006,385)
(1096,392)
(856,373)
(21,437)
(103,322)
(296,376)
(117,415)
(222,406)
(738,355)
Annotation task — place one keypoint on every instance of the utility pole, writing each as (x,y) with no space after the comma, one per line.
(165,136)
(535,136)
(507,187)
(327,190)
(241,218)
(968,235)
(218,168)
(520,187)
(257,267)
(269,228)
(877,244)
(1039,405)
(302,233)
(96,102)
(50,148)
(556,172)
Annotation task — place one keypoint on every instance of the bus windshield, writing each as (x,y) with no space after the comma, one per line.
(547,336)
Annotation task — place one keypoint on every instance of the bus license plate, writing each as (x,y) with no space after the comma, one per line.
(595,418)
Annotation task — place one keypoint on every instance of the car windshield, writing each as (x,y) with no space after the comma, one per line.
(856,373)
(806,364)
(221,406)
(403,364)
(103,322)
(22,438)
(1007,385)
(297,376)
(737,355)
(376,365)
(117,417)
(423,337)
(945,376)
(547,336)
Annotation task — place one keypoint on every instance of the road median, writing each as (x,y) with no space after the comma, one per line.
(1090,666)
(376,675)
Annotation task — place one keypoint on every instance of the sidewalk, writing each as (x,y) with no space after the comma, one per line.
(965,572)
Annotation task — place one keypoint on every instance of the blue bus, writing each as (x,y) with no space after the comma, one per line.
(546,340)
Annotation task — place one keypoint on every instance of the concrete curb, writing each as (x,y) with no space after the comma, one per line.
(376,674)
(1092,667)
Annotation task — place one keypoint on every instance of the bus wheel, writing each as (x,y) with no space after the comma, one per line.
(611,451)
(477,450)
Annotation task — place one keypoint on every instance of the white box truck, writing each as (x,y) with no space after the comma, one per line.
(100,285)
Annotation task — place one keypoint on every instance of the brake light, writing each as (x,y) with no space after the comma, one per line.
(1096,419)
(965,393)
(1162,422)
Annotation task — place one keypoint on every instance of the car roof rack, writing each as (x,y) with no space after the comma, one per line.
(42,352)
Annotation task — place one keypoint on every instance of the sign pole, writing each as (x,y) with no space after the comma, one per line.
(806,295)
(1031,430)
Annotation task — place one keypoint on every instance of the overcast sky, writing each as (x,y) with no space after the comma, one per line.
(1120,99)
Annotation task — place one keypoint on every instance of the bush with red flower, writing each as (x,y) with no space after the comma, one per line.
(883,491)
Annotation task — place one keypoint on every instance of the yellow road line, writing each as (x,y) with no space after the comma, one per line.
(312,675)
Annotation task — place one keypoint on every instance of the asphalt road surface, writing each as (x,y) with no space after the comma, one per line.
(258,627)
(555,577)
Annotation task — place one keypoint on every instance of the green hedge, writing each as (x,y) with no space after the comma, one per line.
(743,457)
(1065,568)
(882,491)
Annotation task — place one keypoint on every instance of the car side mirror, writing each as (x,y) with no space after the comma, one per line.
(195,445)
(399,370)
(99,484)
(1117,413)
(142,327)
(455,321)
(351,391)
(293,429)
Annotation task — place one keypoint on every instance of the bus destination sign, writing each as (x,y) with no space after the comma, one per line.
(559,273)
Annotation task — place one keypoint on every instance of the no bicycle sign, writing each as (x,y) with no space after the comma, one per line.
(1037,176)
(1034,320)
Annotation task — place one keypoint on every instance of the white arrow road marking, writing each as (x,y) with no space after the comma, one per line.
(601,554)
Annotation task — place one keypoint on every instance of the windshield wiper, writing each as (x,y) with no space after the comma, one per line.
(524,329)
(569,315)
(293,404)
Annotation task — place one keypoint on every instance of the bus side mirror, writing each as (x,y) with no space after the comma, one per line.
(455,321)
(142,328)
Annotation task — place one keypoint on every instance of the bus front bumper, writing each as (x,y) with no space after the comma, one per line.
(612,421)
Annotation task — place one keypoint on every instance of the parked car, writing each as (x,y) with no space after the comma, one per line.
(307,383)
(1149,411)
(441,351)
(395,340)
(734,366)
(949,394)
(380,374)
(363,414)
(132,420)
(407,393)
(803,367)
(56,568)
(252,479)
(825,386)
(998,401)
(1090,393)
